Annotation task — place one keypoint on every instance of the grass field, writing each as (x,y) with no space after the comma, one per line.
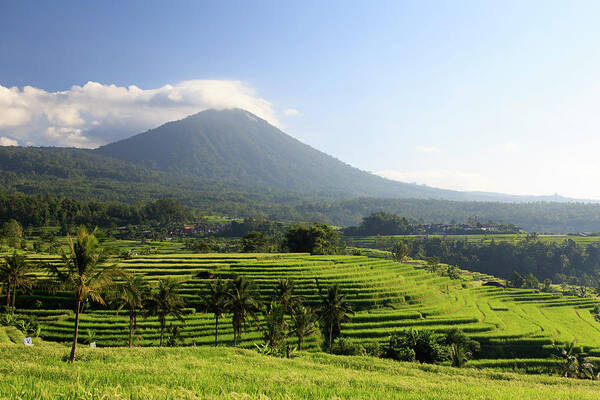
(517,328)
(213,373)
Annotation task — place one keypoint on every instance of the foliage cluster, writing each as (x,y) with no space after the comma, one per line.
(532,258)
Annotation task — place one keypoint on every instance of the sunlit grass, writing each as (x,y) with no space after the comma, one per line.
(210,373)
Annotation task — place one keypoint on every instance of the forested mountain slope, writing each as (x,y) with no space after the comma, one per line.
(240,149)
(234,163)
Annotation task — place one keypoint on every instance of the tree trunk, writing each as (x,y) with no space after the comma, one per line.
(162,330)
(130,329)
(8,298)
(74,348)
(299,342)
(235,336)
(216,330)
(14,296)
(330,337)
(236,330)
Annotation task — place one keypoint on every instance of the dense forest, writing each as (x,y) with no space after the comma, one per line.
(36,211)
(565,262)
(382,223)
(532,217)
(541,217)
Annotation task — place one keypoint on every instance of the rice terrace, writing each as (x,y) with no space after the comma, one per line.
(299,200)
(519,331)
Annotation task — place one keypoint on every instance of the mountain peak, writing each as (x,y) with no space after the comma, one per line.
(238,147)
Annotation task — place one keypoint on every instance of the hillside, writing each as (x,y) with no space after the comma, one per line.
(233,163)
(238,148)
(516,327)
(243,150)
(225,373)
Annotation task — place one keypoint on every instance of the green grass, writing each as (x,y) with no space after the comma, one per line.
(213,373)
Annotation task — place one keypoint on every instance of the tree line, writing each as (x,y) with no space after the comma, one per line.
(382,223)
(37,211)
(565,262)
(552,217)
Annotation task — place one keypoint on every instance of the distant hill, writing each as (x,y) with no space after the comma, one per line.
(231,162)
(238,148)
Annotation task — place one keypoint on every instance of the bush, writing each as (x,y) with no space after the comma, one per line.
(373,349)
(458,338)
(401,354)
(345,347)
(410,345)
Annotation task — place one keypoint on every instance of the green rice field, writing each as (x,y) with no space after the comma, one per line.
(518,328)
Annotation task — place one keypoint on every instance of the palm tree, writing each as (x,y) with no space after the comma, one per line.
(303,323)
(275,326)
(458,355)
(215,302)
(284,294)
(164,302)
(243,304)
(82,272)
(335,309)
(131,293)
(14,272)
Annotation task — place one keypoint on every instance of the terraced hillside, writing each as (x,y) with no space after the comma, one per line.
(515,326)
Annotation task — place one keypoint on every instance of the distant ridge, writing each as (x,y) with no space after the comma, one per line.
(218,150)
(237,148)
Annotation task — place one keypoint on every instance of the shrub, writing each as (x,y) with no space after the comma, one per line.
(345,347)
(458,338)
(420,345)
(403,353)
(373,349)
(461,348)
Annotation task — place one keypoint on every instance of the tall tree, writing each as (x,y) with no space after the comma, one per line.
(275,325)
(317,238)
(131,293)
(335,309)
(12,232)
(303,323)
(165,301)
(82,272)
(255,242)
(283,293)
(216,302)
(243,304)
(400,251)
(14,273)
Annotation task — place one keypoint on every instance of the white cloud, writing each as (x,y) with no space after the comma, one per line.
(4,141)
(446,179)
(510,146)
(426,149)
(94,114)
(291,112)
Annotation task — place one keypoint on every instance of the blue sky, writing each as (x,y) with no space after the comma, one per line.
(472,95)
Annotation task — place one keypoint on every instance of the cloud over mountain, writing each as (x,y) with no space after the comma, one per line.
(95,114)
